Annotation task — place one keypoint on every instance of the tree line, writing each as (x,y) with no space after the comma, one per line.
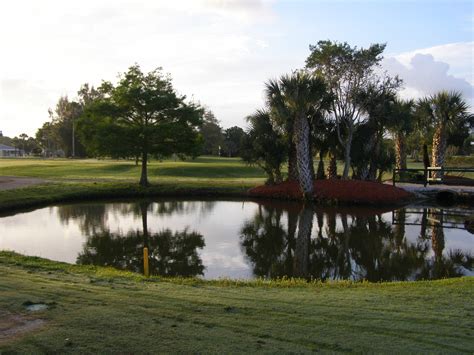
(340,106)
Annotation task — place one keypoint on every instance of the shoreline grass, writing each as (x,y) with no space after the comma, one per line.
(96,309)
(61,192)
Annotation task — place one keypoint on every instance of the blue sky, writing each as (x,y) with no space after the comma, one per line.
(403,25)
(219,52)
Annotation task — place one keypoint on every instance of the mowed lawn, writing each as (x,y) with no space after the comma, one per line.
(226,171)
(232,171)
(100,310)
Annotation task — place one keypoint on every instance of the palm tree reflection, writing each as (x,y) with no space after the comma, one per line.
(347,244)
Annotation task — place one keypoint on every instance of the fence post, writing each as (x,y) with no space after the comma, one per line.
(393,177)
(146,270)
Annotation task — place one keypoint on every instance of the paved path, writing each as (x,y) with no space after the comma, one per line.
(13,182)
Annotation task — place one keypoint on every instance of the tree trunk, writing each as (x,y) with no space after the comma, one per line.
(271,178)
(426,157)
(301,137)
(292,165)
(439,149)
(374,158)
(305,227)
(347,155)
(144,175)
(400,151)
(278,178)
(311,155)
(320,174)
(332,167)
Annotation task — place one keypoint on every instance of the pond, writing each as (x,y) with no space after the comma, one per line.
(249,239)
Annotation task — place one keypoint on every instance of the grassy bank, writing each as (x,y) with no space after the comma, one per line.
(54,192)
(93,309)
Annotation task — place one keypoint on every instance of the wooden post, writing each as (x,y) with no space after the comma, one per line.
(146,270)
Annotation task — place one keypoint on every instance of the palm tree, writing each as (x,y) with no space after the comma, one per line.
(264,146)
(282,118)
(302,96)
(401,125)
(443,110)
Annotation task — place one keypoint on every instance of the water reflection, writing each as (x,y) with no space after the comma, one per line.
(170,253)
(347,244)
(248,239)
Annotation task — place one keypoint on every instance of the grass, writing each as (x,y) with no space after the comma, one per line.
(73,180)
(227,171)
(94,309)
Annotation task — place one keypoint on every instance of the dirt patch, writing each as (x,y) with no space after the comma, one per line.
(345,191)
(10,182)
(15,325)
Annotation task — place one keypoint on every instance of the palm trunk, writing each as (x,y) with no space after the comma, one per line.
(310,157)
(332,167)
(303,151)
(292,165)
(439,149)
(144,175)
(400,151)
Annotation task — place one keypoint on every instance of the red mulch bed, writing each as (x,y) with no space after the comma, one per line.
(345,191)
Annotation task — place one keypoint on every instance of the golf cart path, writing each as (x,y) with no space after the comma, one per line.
(14,182)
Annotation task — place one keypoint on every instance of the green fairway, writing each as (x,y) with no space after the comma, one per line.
(203,170)
(94,309)
(225,170)
(71,180)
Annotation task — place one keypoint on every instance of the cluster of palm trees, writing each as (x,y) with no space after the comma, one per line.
(340,106)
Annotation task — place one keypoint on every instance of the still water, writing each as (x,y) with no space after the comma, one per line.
(245,239)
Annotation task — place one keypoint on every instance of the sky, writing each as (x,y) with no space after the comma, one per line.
(218,52)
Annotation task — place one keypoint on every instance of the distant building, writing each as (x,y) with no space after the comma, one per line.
(7,151)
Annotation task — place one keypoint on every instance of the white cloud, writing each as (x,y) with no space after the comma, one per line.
(426,71)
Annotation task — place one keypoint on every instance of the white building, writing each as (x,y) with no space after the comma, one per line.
(7,151)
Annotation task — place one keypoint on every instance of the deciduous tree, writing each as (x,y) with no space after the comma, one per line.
(142,114)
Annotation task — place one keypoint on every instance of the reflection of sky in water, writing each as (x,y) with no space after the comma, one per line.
(43,233)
